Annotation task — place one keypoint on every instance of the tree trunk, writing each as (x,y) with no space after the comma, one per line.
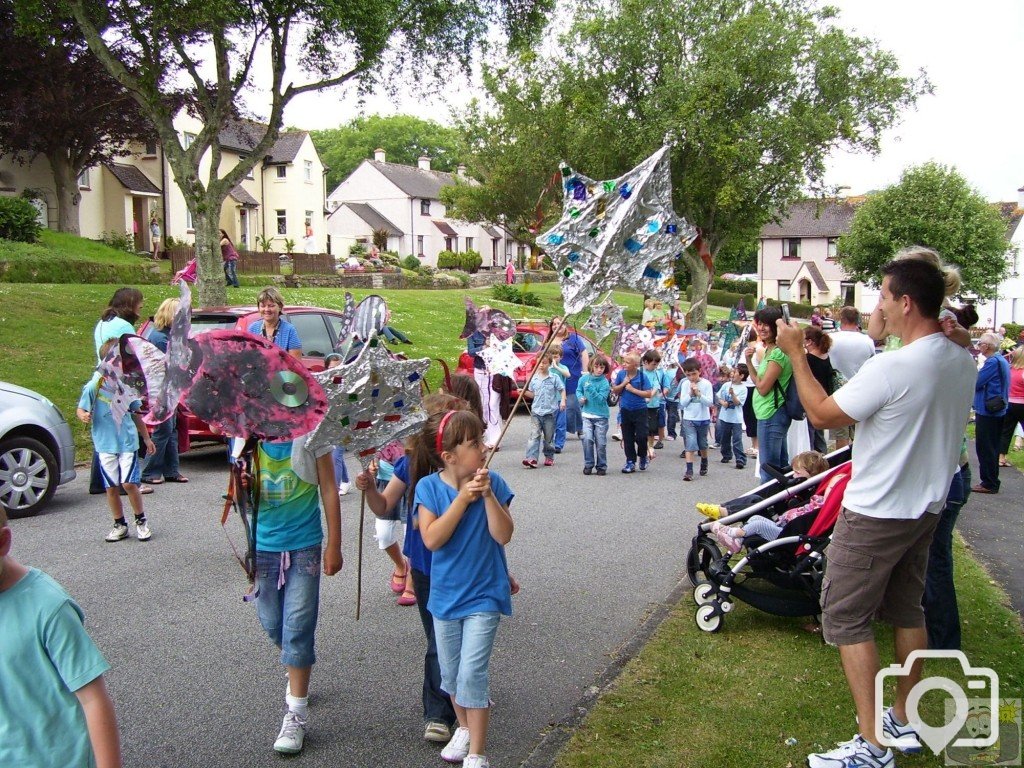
(700,278)
(65,179)
(210,285)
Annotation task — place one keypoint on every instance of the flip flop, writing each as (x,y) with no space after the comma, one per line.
(178,479)
(145,489)
(154,481)
(1005,464)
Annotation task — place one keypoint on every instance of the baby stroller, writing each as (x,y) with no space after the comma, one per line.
(783,576)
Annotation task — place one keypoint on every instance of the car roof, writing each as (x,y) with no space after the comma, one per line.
(242,311)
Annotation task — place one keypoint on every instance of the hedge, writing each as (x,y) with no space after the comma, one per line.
(19,220)
(46,269)
(467,261)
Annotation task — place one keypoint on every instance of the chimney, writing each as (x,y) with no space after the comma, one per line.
(378,155)
(424,163)
(461,171)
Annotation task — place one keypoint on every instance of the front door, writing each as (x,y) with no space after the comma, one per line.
(243,229)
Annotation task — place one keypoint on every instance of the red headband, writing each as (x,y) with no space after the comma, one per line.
(440,429)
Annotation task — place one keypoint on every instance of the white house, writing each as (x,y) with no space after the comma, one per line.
(405,201)
(1008,306)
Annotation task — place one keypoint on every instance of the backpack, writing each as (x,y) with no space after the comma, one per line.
(791,400)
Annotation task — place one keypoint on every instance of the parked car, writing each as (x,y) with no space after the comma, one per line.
(318,329)
(528,341)
(37,452)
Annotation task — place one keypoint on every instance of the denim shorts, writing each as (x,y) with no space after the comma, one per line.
(695,434)
(464,652)
(289,601)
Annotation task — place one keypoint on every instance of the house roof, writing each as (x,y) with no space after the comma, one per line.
(1012,214)
(133,179)
(816,276)
(495,233)
(243,135)
(374,218)
(812,218)
(445,228)
(415,182)
(240,195)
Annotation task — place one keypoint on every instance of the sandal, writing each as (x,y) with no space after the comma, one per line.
(408,597)
(178,479)
(1005,464)
(154,481)
(397,582)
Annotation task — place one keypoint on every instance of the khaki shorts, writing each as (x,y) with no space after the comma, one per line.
(874,568)
(841,433)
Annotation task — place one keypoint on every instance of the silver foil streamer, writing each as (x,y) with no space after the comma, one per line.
(618,232)
(605,319)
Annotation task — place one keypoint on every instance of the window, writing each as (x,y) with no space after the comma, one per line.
(282,171)
(187,139)
(307,169)
(450,245)
(282,224)
(833,247)
(791,248)
(469,243)
(784,292)
(316,339)
(189,224)
(424,207)
(419,245)
(151,148)
(848,292)
(83,179)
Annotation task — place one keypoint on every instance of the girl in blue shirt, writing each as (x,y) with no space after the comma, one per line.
(592,395)
(463,518)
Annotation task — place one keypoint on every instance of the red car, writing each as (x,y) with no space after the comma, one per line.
(528,341)
(318,328)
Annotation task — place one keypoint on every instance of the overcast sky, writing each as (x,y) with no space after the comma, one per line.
(973,53)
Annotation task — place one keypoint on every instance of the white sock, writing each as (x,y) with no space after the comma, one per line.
(299,706)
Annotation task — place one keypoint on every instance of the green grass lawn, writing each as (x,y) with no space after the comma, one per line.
(734,698)
(46,329)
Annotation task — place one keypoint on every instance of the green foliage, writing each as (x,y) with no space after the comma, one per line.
(289,245)
(120,241)
(19,220)
(64,258)
(729,299)
(736,286)
(411,263)
(403,138)
(357,249)
(467,261)
(380,238)
(513,295)
(932,205)
(1012,332)
(265,243)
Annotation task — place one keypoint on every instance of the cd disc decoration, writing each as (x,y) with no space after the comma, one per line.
(618,232)
(246,386)
(373,399)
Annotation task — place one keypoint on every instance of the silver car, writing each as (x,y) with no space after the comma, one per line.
(36,450)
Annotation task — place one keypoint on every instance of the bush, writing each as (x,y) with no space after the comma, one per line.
(357,249)
(735,286)
(391,258)
(447,260)
(19,220)
(513,295)
(469,261)
(729,299)
(411,262)
(1012,332)
(462,276)
(446,280)
(120,241)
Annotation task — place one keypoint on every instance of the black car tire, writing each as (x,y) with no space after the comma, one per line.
(24,454)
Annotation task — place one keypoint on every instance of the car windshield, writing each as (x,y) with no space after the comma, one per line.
(205,323)
(527,342)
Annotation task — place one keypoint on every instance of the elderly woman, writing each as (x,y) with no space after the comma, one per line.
(576,358)
(272,326)
(1015,412)
(769,405)
(991,393)
(162,464)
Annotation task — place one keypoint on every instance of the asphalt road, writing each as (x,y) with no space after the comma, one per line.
(197,683)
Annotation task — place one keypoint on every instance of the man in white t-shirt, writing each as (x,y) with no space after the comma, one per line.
(850,347)
(911,418)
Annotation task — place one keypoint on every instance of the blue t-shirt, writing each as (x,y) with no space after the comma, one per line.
(45,656)
(728,413)
(627,400)
(595,389)
(572,358)
(106,436)
(658,382)
(286,337)
(468,574)
(413,548)
(105,330)
(289,512)
(547,394)
(696,408)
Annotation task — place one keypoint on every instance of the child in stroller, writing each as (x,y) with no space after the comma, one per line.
(805,465)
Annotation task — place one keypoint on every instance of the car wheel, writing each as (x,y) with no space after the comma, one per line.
(28,476)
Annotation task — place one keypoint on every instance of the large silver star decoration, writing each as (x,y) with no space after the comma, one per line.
(498,357)
(618,232)
(371,401)
(605,318)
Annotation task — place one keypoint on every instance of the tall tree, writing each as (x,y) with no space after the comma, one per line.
(207,54)
(932,205)
(753,95)
(404,139)
(57,100)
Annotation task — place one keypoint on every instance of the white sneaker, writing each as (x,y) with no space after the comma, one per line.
(117,533)
(437,731)
(293,733)
(456,750)
(476,761)
(852,754)
(142,531)
(903,737)
(344,488)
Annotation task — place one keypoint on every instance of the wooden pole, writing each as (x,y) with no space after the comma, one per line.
(359,557)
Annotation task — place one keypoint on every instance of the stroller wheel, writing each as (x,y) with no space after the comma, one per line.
(704,593)
(708,617)
(698,562)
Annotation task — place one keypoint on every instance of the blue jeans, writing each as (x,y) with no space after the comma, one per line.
(464,652)
(941,614)
(732,442)
(289,613)
(163,462)
(695,434)
(671,417)
(573,413)
(340,470)
(560,426)
(437,705)
(541,426)
(771,442)
(230,273)
(595,438)
(634,433)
